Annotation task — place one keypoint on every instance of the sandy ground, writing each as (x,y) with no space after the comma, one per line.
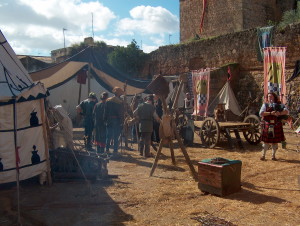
(270,193)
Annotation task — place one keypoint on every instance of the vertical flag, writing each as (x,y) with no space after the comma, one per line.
(264,39)
(274,72)
(201,80)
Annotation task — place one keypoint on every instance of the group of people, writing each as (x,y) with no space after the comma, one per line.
(105,118)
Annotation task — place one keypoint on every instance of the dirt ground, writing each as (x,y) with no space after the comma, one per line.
(270,193)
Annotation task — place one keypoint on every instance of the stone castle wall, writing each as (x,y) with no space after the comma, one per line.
(228,16)
(216,52)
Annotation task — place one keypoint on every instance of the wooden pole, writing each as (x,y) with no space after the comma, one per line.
(42,105)
(89,79)
(79,94)
(175,103)
(157,156)
(187,158)
(172,151)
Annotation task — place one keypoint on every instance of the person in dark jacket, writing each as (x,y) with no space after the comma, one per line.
(145,114)
(86,108)
(114,117)
(100,127)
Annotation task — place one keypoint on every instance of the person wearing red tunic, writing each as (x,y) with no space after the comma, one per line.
(272,130)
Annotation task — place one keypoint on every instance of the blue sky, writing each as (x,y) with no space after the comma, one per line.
(35,27)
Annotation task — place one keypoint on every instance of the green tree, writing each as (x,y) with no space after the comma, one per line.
(100,49)
(128,60)
(290,17)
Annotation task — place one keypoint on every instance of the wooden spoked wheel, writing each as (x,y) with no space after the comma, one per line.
(253,134)
(210,132)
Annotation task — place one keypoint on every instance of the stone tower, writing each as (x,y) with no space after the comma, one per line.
(227,16)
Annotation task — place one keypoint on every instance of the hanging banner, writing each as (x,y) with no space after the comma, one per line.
(201,80)
(264,39)
(82,76)
(274,72)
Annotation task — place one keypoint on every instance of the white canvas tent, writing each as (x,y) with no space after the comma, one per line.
(62,80)
(173,81)
(227,97)
(23,138)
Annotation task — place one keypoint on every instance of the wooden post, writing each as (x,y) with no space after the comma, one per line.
(49,179)
(157,156)
(89,78)
(79,94)
(182,147)
(187,158)
(175,104)
(172,151)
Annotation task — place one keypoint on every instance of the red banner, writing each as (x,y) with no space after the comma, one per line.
(82,76)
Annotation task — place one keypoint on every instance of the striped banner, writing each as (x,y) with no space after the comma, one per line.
(201,80)
(274,72)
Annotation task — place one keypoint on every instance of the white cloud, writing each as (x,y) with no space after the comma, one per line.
(73,12)
(114,41)
(36,26)
(149,20)
(149,48)
(158,40)
(39,23)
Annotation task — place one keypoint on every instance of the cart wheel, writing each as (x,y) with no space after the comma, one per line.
(210,132)
(253,134)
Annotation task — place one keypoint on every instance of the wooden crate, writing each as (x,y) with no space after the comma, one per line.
(219,178)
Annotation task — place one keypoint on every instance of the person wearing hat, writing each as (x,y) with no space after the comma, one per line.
(99,124)
(85,108)
(114,117)
(145,113)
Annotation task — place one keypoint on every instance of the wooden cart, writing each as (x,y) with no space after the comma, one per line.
(211,130)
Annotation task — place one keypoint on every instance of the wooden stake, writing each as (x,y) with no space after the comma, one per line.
(157,156)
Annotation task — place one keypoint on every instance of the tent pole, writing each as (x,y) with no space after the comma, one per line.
(79,96)
(89,79)
(17,161)
(42,104)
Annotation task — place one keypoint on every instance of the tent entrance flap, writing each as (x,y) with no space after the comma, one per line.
(227,97)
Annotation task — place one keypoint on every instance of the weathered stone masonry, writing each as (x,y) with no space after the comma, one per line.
(216,52)
(228,16)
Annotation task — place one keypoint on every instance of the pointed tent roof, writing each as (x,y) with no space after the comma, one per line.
(106,75)
(227,97)
(15,82)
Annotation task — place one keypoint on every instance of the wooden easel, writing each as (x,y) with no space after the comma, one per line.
(169,139)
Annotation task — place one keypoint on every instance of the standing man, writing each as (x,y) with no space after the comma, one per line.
(114,117)
(272,129)
(145,113)
(86,108)
(100,127)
